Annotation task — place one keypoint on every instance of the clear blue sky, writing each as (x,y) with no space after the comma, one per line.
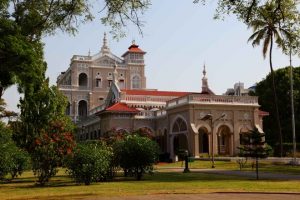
(179,37)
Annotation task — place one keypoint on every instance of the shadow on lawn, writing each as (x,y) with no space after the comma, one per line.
(65,181)
(199,176)
(61,197)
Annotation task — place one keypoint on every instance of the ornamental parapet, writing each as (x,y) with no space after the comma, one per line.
(144,98)
(213,100)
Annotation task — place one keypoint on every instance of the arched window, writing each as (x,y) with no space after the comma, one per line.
(82,108)
(224,140)
(179,126)
(136,82)
(83,79)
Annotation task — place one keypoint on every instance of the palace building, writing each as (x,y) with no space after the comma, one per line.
(106,92)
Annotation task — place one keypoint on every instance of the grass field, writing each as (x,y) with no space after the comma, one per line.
(264,166)
(62,187)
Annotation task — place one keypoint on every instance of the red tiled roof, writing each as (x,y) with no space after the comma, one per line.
(121,107)
(134,49)
(156,93)
(263,113)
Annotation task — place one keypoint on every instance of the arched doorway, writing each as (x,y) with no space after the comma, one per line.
(82,108)
(203,141)
(82,80)
(179,132)
(180,143)
(224,140)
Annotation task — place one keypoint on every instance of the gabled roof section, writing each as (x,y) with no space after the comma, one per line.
(134,49)
(120,108)
(100,56)
(156,93)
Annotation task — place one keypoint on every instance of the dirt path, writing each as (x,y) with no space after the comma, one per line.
(213,196)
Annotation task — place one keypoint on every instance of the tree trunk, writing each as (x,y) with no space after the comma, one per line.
(275,99)
(292,110)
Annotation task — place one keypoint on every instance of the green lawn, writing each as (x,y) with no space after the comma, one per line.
(62,187)
(264,166)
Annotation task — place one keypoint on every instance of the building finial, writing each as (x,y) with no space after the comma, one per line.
(205,89)
(204,70)
(133,41)
(104,40)
(105,48)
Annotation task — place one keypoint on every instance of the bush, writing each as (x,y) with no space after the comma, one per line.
(136,154)
(90,162)
(50,149)
(13,160)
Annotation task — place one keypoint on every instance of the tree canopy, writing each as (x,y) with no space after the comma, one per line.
(264,91)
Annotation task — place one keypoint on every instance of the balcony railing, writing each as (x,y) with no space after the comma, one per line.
(213,99)
(72,87)
(146,114)
(142,98)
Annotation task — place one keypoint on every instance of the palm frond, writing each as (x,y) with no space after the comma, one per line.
(262,34)
(266,44)
(278,38)
(253,36)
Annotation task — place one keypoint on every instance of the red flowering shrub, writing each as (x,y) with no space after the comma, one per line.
(50,149)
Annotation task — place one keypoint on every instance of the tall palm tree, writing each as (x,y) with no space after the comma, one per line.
(267,28)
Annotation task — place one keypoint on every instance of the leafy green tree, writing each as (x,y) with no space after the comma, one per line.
(254,147)
(244,10)
(44,130)
(13,160)
(5,113)
(263,90)
(267,29)
(136,154)
(90,162)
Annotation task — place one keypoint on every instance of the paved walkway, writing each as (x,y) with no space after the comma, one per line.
(250,174)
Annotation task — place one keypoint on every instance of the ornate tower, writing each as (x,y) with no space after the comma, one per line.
(134,59)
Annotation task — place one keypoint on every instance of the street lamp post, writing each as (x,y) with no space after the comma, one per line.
(210,118)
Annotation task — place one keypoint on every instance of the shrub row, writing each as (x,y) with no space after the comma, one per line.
(95,161)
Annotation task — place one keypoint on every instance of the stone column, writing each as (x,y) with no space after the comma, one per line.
(171,142)
(215,136)
(196,145)
(232,146)
(75,110)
